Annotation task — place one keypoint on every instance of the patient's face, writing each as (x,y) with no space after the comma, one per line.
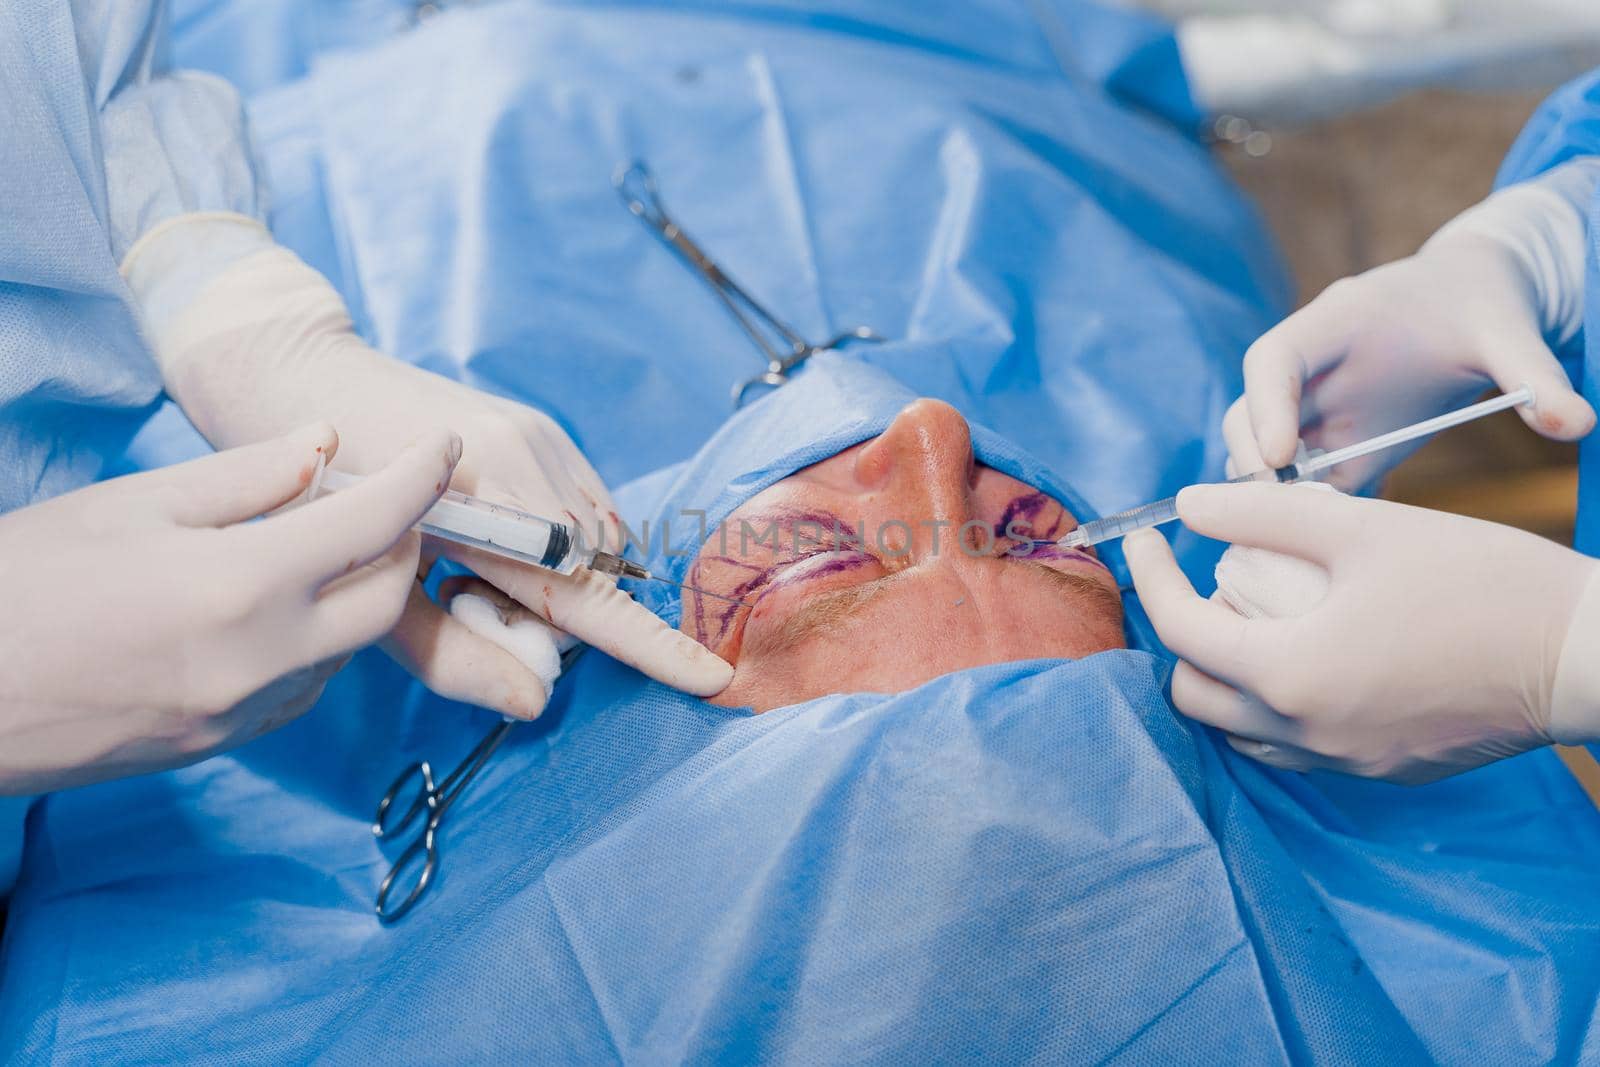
(894,562)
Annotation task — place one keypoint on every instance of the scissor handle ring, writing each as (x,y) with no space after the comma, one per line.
(425,844)
(637,187)
(381,829)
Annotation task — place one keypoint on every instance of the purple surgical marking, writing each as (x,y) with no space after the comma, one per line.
(759,576)
(1017,520)
(1046,550)
(1021,514)
(809,573)
(1025,508)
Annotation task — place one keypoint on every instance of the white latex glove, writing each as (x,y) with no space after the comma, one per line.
(1442,642)
(1424,335)
(1257,583)
(267,343)
(146,624)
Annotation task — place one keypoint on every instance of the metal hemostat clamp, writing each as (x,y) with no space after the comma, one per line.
(416,796)
(782,345)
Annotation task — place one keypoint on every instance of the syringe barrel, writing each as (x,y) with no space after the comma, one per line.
(1125,522)
(494,528)
(1157,512)
(503,531)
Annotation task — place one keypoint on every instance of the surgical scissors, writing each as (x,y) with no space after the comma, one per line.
(423,852)
(637,186)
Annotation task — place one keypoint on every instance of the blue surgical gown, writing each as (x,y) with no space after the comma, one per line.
(74,375)
(99,139)
(1568,125)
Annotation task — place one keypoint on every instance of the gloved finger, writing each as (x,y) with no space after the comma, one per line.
(1216,703)
(1291,520)
(338,533)
(495,617)
(1278,365)
(591,607)
(548,493)
(607,520)
(1244,454)
(1276,754)
(241,483)
(1203,632)
(275,704)
(287,698)
(1557,411)
(570,475)
(563,471)
(1353,475)
(356,609)
(443,654)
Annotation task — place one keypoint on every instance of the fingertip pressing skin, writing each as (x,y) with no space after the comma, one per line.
(591,607)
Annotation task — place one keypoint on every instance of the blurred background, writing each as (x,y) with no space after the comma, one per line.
(1350,193)
(1361,126)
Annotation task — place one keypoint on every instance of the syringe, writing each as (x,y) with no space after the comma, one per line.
(1164,511)
(504,531)
(511,533)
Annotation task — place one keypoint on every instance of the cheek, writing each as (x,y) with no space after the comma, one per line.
(1088,624)
(770,598)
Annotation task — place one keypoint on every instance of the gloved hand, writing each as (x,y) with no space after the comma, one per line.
(147,625)
(266,343)
(1426,334)
(1442,642)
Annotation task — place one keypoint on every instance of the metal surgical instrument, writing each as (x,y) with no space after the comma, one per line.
(501,530)
(1164,511)
(784,351)
(430,801)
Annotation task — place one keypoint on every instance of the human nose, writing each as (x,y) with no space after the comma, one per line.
(921,471)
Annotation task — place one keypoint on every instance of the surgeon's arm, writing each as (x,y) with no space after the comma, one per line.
(267,342)
(251,342)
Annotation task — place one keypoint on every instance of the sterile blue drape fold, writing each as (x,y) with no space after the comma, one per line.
(1029,862)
